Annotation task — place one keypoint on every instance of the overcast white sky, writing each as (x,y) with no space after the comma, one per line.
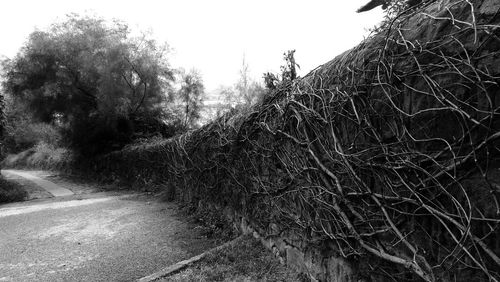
(213,36)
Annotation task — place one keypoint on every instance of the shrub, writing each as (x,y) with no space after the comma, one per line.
(41,156)
(22,132)
(11,192)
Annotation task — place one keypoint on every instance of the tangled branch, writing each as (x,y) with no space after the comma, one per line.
(390,151)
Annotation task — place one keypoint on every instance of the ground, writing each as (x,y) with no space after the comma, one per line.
(100,236)
(75,231)
(246,261)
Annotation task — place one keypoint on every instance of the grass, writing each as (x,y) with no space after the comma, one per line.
(41,156)
(247,261)
(11,191)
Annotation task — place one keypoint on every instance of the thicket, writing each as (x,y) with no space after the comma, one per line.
(9,191)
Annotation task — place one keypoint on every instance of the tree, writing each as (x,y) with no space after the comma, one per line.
(191,96)
(91,75)
(228,95)
(242,86)
(2,123)
(247,91)
(2,108)
(288,72)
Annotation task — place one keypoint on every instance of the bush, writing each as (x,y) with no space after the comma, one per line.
(148,125)
(47,156)
(100,135)
(22,132)
(11,192)
(41,156)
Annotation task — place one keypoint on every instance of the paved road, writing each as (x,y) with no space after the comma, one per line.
(52,188)
(94,237)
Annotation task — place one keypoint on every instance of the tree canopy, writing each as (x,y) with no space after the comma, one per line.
(85,72)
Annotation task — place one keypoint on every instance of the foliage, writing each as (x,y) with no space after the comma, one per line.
(288,72)
(11,191)
(156,124)
(246,261)
(41,156)
(191,97)
(47,156)
(2,115)
(25,135)
(87,72)
(229,96)
(22,131)
(2,125)
(245,93)
(247,90)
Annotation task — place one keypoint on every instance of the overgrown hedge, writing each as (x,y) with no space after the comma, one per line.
(386,156)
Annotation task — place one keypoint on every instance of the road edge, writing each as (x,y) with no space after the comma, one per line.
(183,264)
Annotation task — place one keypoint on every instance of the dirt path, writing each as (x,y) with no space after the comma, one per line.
(93,237)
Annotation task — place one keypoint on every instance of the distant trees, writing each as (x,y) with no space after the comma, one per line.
(23,131)
(93,80)
(3,116)
(191,97)
(245,92)
(228,96)
(2,122)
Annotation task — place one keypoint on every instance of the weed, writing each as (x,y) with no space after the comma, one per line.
(247,261)
(11,191)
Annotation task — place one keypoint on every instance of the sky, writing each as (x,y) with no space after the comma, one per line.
(213,36)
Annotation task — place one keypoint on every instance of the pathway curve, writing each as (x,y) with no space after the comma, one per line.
(52,188)
(105,236)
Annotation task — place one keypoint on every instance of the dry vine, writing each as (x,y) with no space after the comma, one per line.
(386,147)
(390,151)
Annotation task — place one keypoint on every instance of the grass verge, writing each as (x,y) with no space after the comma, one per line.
(247,261)
(11,191)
